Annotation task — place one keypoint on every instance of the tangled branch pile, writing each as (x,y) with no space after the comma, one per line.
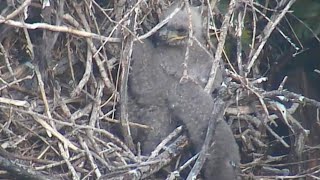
(63,76)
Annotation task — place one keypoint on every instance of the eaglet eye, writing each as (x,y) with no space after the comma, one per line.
(181,31)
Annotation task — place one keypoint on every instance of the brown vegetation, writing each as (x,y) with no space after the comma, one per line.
(63,79)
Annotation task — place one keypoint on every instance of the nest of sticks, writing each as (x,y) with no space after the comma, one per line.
(64,67)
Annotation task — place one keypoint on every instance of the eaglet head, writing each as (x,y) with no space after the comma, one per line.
(176,31)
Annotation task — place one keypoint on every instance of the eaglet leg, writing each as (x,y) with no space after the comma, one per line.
(193,106)
(157,118)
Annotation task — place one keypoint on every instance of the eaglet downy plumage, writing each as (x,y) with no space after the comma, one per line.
(159,98)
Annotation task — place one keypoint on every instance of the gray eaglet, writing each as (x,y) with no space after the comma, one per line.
(160,99)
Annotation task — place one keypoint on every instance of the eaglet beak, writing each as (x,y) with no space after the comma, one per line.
(171,35)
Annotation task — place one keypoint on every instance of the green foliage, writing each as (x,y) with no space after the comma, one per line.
(308,11)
